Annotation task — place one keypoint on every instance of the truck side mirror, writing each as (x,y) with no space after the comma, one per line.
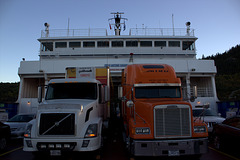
(39,94)
(101,94)
(195,91)
(120,92)
(194,96)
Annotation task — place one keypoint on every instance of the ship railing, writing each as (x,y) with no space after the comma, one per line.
(103,32)
(161,32)
(74,32)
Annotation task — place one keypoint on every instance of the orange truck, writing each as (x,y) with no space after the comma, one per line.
(157,122)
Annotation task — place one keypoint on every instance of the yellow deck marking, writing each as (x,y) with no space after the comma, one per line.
(11,151)
(224,153)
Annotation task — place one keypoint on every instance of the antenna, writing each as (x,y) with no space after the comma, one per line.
(173,25)
(118,25)
(68,26)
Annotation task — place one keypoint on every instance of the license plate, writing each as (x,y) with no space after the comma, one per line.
(173,153)
(55,152)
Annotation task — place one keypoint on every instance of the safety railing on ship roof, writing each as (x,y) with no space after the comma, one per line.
(74,32)
(103,32)
(162,31)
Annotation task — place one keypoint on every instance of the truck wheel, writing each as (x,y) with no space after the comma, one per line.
(196,157)
(3,143)
(130,148)
(217,142)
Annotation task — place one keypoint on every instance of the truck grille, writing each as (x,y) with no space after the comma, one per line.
(172,121)
(57,124)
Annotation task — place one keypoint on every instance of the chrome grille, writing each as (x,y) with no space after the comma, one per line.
(172,121)
(57,124)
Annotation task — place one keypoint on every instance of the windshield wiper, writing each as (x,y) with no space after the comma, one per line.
(56,124)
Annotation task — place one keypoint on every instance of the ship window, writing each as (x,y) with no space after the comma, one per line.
(160,43)
(188,45)
(117,43)
(89,44)
(152,66)
(30,89)
(146,43)
(103,43)
(131,43)
(204,86)
(174,43)
(60,44)
(74,44)
(47,46)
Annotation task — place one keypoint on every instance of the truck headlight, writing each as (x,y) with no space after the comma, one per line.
(27,133)
(199,129)
(144,130)
(91,131)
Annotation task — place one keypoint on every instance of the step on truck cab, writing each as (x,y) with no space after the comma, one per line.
(70,118)
(157,121)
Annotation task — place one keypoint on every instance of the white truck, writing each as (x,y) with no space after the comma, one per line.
(70,118)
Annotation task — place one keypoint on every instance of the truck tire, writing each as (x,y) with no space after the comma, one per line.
(217,142)
(3,143)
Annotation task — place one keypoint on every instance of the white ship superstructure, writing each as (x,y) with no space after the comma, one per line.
(60,49)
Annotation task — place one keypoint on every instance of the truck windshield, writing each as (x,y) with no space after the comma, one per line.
(72,91)
(158,92)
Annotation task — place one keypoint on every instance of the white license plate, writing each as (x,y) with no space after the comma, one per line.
(55,152)
(173,153)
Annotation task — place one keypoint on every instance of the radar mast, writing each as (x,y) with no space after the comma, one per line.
(118,25)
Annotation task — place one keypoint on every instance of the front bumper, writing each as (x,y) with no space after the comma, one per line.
(170,147)
(63,144)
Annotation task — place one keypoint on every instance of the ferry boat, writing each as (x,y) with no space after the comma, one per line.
(64,48)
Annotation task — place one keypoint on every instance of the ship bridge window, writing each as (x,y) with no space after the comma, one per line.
(188,45)
(89,44)
(131,43)
(146,43)
(174,43)
(160,43)
(74,44)
(117,43)
(47,46)
(103,43)
(60,44)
